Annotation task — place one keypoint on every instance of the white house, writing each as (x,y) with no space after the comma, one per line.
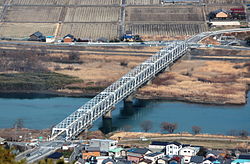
(157,146)
(103,144)
(2,140)
(154,156)
(173,148)
(207,162)
(188,152)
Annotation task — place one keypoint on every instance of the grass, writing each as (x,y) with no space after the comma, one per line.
(35,81)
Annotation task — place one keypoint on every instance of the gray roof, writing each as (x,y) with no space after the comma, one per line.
(154,154)
(197,159)
(138,150)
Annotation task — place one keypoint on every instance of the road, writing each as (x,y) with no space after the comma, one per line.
(41,151)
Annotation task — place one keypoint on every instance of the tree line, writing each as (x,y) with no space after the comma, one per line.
(168,127)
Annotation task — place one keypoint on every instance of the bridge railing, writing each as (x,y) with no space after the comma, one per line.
(84,117)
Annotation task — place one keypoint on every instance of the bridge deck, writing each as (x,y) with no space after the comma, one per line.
(84,117)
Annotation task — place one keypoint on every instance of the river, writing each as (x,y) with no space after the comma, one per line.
(43,111)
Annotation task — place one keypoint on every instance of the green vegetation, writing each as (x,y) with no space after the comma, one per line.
(35,81)
(6,157)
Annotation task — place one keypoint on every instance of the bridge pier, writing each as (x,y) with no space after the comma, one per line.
(107,123)
(129,98)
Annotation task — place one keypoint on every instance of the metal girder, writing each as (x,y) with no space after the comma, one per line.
(84,117)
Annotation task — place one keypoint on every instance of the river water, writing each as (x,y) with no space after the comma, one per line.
(42,111)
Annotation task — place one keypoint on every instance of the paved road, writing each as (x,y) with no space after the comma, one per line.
(41,151)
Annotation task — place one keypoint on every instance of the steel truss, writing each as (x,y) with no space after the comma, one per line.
(84,117)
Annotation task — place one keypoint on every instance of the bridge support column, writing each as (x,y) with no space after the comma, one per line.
(107,123)
(129,98)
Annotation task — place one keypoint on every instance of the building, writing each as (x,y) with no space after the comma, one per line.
(68,38)
(188,152)
(196,160)
(91,152)
(157,146)
(2,141)
(154,156)
(50,39)
(137,154)
(103,144)
(219,14)
(37,36)
(117,152)
(173,148)
(238,13)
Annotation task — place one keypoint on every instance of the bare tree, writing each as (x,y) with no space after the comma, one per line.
(127,128)
(243,133)
(196,129)
(146,125)
(169,127)
(18,124)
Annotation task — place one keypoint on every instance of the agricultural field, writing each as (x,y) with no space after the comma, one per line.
(90,30)
(143,2)
(24,30)
(2,2)
(32,14)
(92,14)
(154,14)
(40,2)
(94,2)
(166,29)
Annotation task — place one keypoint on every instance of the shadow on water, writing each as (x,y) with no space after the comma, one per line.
(120,120)
(27,95)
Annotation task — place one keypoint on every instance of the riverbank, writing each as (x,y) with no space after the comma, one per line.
(215,76)
(135,138)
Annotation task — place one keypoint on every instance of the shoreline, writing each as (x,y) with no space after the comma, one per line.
(49,94)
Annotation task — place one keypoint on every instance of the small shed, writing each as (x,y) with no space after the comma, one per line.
(50,39)
(68,38)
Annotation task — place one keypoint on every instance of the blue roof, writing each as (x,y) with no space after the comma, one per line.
(240,161)
(49,36)
(55,155)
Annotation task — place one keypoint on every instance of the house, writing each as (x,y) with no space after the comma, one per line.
(163,160)
(104,144)
(219,14)
(154,156)
(244,156)
(238,13)
(175,160)
(91,152)
(50,39)
(157,146)
(2,141)
(68,38)
(196,159)
(37,36)
(188,152)
(173,148)
(213,153)
(117,152)
(145,161)
(108,161)
(241,161)
(137,154)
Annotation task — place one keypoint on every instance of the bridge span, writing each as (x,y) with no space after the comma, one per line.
(84,117)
